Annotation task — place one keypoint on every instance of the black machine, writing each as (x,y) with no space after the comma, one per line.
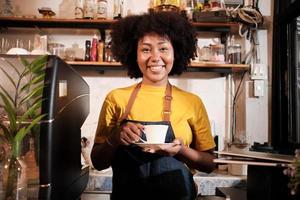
(67,106)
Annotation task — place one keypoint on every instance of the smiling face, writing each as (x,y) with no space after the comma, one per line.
(155,57)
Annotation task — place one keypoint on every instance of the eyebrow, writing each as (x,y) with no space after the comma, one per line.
(149,44)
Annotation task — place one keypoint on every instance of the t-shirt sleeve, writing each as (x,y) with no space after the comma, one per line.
(202,136)
(107,120)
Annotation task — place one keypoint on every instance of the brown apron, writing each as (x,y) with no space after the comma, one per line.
(141,175)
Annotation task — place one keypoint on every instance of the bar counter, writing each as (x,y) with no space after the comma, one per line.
(101,181)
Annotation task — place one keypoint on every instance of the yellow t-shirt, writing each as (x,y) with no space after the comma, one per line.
(188,115)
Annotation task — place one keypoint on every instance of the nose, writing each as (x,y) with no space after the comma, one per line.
(155,56)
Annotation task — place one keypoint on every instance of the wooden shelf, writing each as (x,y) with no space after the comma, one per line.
(223,27)
(207,66)
(55,23)
(90,63)
(97,23)
(220,67)
(96,66)
(216,26)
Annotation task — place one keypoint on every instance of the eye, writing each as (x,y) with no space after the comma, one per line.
(145,50)
(163,49)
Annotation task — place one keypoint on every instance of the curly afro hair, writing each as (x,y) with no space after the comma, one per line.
(128,31)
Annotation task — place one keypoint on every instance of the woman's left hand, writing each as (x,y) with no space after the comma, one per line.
(171,150)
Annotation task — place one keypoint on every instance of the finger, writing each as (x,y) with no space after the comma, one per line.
(138,129)
(130,134)
(177,141)
(140,126)
(134,132)
(125,136)
(124,142)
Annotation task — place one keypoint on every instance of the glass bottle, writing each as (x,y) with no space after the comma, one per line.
(108,53)
(107,47)
(94,48)
(100,50)
(87,56)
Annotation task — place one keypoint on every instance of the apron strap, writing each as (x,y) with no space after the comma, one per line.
(131,101)
(167,102)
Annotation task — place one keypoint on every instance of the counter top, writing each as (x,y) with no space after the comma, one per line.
(101,181)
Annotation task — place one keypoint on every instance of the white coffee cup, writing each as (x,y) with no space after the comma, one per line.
(156,133)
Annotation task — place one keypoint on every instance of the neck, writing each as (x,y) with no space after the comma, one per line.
(158,83)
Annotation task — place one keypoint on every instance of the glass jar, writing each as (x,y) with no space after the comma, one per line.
(6,8)
(89,9)
(217,53)
(234,54)
(79,9)
(205,53)
(118,9)
(101,9)
(57,49)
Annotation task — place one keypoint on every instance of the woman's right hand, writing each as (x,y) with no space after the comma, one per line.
(129,133)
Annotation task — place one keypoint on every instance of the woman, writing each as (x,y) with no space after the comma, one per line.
(153,46)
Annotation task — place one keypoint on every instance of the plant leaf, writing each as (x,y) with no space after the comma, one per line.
(37,65)
(31,110)
(21,133)
(17,141)
(37,90)
(7,94)
(9,108)
(12,65)
(25,87)
(35,122)
(36,80)
(39,93)
(39,78)
(24,61)
(9,77)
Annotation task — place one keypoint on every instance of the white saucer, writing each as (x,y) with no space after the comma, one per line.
(155,146)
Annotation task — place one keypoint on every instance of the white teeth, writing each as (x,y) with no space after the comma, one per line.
(155,68)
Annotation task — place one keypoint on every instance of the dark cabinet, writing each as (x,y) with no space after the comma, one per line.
(286,77)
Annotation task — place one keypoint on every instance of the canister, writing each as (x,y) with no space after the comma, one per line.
(234,54)
(217,51)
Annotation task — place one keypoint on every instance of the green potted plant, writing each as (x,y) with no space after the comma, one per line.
(20,104)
